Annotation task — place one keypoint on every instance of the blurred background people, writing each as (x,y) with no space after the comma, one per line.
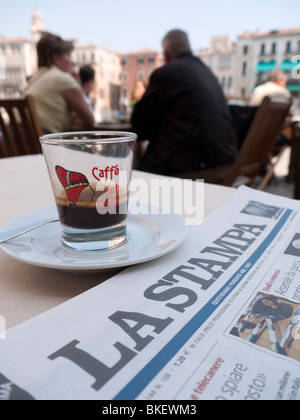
(274,87)
(87,79)
(138,92)
(54,89)
(183,114)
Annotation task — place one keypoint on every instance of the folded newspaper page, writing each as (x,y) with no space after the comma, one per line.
(218,319)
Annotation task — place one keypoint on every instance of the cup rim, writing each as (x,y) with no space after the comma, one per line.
(107,137)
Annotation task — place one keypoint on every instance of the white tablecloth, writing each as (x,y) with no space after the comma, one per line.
(26,291)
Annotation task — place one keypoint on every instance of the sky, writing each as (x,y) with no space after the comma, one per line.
(129,25)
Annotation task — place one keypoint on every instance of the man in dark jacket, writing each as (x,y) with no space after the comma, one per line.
(184,114)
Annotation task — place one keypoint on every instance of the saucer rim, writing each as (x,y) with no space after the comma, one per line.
(58,264)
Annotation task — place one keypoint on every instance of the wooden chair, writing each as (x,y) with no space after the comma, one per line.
(243,117)
(20,128)
(256,151)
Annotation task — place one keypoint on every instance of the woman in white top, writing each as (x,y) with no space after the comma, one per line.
(55,91)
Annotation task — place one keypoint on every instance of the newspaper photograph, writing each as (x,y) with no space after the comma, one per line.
(217,319)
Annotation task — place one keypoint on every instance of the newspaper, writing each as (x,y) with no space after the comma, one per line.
(218,319)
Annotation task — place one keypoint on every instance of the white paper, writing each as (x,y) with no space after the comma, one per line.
(218,319)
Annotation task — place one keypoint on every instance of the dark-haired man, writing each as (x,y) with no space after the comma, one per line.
(184,114)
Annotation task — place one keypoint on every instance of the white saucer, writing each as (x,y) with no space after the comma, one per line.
(148,237)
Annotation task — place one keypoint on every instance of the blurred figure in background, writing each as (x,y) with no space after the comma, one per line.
(184,114)
(274,87)
(138,92)
(87,79)
(54,89)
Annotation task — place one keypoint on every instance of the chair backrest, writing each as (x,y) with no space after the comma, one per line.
(242,119)
(20,128)
(295,161)
(260,139)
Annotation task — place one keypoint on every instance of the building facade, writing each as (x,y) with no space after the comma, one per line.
(107,66)
(239,66)
(263,52)
(221,58)
(243,65)
(138,65)
(18,61)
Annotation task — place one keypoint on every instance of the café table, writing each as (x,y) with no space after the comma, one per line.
(25,290)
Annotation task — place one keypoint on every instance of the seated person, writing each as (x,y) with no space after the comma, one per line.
(183,114)
(138,92)
(274,87)
(54,89)
(87,79)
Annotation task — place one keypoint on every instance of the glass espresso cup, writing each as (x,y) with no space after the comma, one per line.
(90,174)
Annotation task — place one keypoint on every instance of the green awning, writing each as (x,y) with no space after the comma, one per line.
(293,88)
(263,67)
(288,65)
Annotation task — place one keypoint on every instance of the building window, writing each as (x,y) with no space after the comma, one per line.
(288,46)
(274,48)
(243,92)
(246,49)
(140,75)
(224,62)
(151,60)
(124,77)
(262,49)
(16,49)
(141,61)
(244,69)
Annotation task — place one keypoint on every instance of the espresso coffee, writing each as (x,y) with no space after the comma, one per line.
(86,212)
(87,218)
